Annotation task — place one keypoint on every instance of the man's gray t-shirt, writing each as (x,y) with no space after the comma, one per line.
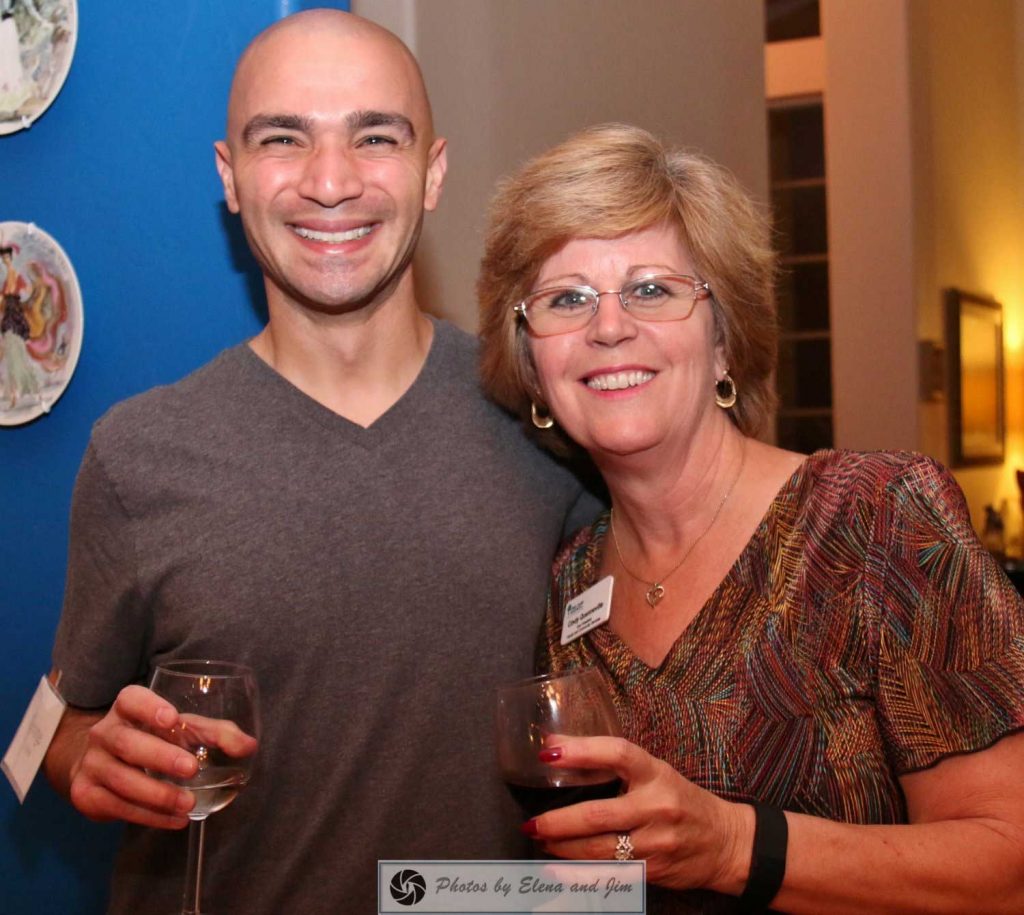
(381,582)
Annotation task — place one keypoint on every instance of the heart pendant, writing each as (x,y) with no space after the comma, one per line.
(656,593)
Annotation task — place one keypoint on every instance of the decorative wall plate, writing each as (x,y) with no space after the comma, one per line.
(37,42)
(41,322)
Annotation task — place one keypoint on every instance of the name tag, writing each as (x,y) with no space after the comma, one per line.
(25,755)
(588,610)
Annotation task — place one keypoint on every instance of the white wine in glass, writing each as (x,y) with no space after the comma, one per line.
(219,723)
(574,703)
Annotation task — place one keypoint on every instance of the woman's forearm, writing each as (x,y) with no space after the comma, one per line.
(970,865)
(963,850)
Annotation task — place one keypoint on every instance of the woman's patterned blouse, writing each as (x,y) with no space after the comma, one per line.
(862,634)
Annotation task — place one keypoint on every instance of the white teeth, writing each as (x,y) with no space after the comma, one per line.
(616,381)
(332,237)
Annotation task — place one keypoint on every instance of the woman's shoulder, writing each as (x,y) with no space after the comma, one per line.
(882,464)
(841,487)
(580,549)
(857,471)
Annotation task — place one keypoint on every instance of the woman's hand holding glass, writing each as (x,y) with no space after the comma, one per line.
(529,715)
(688,836)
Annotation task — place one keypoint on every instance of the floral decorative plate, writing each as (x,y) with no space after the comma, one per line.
(41,322)
(37,42)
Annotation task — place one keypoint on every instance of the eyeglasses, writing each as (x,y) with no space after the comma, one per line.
(562,309)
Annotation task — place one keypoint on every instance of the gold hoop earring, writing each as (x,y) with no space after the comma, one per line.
(725,391)
(540,420)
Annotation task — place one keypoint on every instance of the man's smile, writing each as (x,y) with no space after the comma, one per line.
(333,238)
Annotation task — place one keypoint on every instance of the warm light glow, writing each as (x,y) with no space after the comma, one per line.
(1008,294)
(1012,335)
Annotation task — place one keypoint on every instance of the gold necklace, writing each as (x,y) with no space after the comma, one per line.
(656,591)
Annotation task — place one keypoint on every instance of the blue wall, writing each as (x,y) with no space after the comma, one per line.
(120,171)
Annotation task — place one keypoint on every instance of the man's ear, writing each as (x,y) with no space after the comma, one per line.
(437,167)
(227,174)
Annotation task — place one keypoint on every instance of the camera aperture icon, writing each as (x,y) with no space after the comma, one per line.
(408,887)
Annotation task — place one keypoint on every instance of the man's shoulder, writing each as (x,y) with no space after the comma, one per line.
(459,349)
(480,425)
(172,407)
(457,370)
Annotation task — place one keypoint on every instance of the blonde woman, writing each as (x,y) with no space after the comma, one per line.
(819,668)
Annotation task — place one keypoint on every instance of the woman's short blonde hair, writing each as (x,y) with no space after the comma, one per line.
(604,182)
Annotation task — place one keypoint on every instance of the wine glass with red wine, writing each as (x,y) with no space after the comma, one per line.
(219,723)
(531,715)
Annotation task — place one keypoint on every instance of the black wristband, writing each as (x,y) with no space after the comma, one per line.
(768,860)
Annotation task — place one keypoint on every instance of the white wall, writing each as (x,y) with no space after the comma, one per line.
(871,240)
(508,78)
(925,158)
(926,184)
(969,216)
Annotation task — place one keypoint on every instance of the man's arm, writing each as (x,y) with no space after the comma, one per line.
(98,761)
(98,758)
(67,747)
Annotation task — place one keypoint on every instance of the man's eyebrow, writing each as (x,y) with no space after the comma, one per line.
(361,120)
(261,122)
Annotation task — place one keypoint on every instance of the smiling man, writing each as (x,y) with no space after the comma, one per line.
(332,503)
(331,160)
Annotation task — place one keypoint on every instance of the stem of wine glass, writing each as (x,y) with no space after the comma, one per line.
(194,869)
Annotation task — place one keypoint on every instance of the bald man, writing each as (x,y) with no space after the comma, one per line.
(332,503)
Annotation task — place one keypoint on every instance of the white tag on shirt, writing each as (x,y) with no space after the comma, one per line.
(25,755)
(588,610)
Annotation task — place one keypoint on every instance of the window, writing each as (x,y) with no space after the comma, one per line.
(789,19)
(804,378)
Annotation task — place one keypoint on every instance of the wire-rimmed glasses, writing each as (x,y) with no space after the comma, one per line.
(660,297)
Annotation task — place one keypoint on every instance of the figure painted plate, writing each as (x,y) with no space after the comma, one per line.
(41,322)
(37,42)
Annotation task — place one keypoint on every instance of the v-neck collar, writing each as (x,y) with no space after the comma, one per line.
(609,644)
(306,408)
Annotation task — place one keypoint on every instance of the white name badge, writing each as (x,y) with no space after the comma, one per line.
(588,610)
(25,755)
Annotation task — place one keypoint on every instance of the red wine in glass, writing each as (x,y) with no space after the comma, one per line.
(538,799)
(532,714)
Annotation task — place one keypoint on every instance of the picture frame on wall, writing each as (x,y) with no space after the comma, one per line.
(37,44)
(977,379)
(41,322)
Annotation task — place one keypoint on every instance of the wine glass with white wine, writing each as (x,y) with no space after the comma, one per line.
(219,723)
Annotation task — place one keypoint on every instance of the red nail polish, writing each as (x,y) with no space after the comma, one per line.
(550,754)
(529,828)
